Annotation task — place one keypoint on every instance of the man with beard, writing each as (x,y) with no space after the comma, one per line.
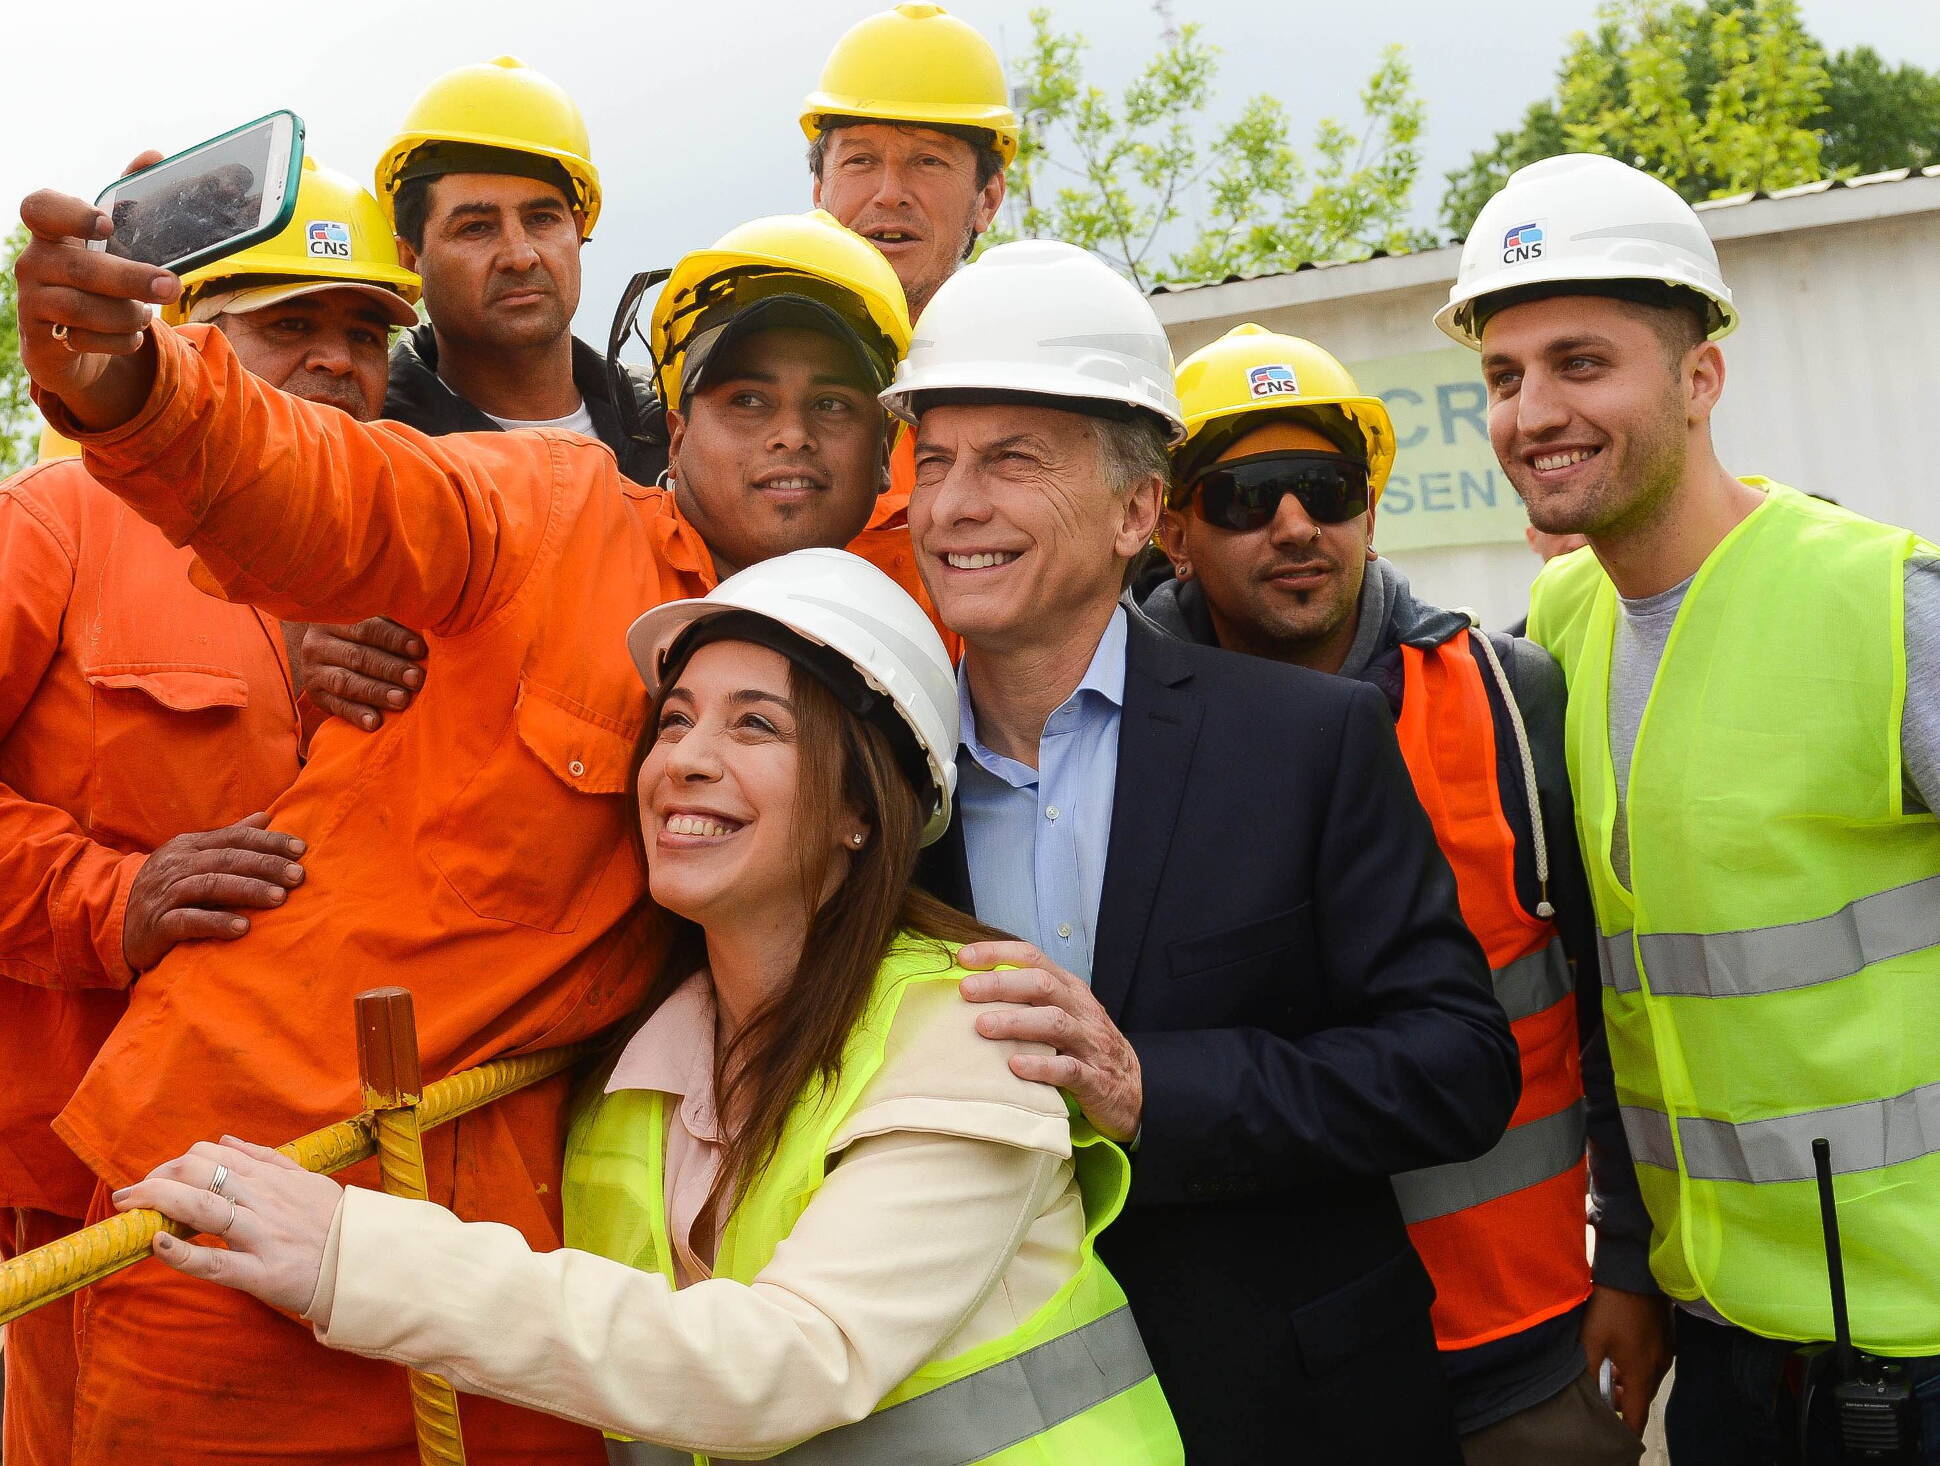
(494,220)
(1754,740)
(144,729)
(475,850)
(1270,527)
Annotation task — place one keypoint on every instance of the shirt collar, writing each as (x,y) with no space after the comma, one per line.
(673,1051)
(1104,678)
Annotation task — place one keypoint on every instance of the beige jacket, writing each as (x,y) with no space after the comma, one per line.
(951,1214)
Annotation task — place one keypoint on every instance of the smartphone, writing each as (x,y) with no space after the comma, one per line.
(210,200)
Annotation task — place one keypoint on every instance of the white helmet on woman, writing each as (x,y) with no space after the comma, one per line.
(1039,319)
(1584,219)
(833,599)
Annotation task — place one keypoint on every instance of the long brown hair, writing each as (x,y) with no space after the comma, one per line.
(797,1036)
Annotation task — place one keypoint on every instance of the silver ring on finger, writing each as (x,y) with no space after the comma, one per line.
(228,1222)
(219,1180)
(59,332)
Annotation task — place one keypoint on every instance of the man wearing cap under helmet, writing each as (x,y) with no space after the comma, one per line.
(1237,931)
(144,728)
(1270,526)
(1754,740)
(474,850)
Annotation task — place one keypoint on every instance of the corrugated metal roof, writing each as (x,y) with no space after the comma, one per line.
(1729,201)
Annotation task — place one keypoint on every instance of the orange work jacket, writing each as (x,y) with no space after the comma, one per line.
(1502,1235)
(476,851)
(133,708)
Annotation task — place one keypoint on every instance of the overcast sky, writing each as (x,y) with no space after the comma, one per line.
(692,106)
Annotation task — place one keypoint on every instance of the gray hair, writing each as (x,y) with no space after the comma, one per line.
(1132,450)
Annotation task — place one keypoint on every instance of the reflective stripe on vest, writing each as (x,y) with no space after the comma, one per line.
(1524,1156)
(1772,973)
(1864,1137)
(1534,981)
(971,1418)
(1501,1235)
(1775,959)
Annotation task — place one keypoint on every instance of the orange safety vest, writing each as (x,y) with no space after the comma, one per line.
(1501,1235)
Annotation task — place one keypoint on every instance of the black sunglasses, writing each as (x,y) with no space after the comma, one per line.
(1245,493)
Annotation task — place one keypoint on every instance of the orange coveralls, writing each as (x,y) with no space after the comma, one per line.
(133,708)
(475,850)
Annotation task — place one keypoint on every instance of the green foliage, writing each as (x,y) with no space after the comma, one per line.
(1878,117)
(1714,98)
(19,422)
(1114,175)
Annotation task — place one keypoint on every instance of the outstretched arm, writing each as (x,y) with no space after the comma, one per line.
(902,1243)
(291,506)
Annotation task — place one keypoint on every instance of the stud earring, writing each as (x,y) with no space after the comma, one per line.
(856,840)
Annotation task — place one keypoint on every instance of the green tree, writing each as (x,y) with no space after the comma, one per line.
(19,422)
(1713,98)
(1136,179)
(1878,117)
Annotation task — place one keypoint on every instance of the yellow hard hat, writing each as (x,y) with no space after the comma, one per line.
(1253,370)
(504,105)
(337,234)
(916,63)
(787,254)
(53,445)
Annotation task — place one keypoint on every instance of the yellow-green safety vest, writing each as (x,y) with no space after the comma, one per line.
(1772,975)
(1071,1386)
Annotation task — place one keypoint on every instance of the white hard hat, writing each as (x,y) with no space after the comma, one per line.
(833,599)
(1038,318)
(1584,217)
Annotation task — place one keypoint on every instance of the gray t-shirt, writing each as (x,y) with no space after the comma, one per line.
(1638,647)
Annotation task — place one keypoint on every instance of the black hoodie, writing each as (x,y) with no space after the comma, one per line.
(419,398)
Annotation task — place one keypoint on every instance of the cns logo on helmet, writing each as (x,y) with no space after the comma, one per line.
(328,239)
(1273,381)
(1524,242)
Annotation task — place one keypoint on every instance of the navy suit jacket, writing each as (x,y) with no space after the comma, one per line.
(1278,937)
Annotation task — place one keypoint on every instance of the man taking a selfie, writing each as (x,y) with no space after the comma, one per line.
(144,729)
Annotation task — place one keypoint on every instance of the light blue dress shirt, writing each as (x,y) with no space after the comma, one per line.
(1035,839)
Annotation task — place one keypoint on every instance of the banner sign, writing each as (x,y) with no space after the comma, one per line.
(1447,488)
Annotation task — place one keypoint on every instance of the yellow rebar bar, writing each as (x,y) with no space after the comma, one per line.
(91,1254)
(387,1063)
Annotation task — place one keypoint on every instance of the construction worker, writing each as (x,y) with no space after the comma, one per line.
(910,129)
(1754,740)
(144,728)
(869,1238)
(909,133)
(1191,846)
(491,186)
(515,913)
(1270,528)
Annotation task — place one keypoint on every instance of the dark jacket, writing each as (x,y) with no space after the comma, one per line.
(419,398)
(1278,937)
(1495,1380)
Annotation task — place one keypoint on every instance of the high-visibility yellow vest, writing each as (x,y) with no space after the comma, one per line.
(1772,975)
(1071,1386)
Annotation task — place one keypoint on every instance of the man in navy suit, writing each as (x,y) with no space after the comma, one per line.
(1241,942)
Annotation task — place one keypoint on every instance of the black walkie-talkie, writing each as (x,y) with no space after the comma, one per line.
(1871,1398)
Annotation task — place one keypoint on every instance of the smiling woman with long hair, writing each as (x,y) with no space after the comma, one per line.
(809,1209)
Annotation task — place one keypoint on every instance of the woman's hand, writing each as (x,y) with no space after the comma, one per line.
(272,1215)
